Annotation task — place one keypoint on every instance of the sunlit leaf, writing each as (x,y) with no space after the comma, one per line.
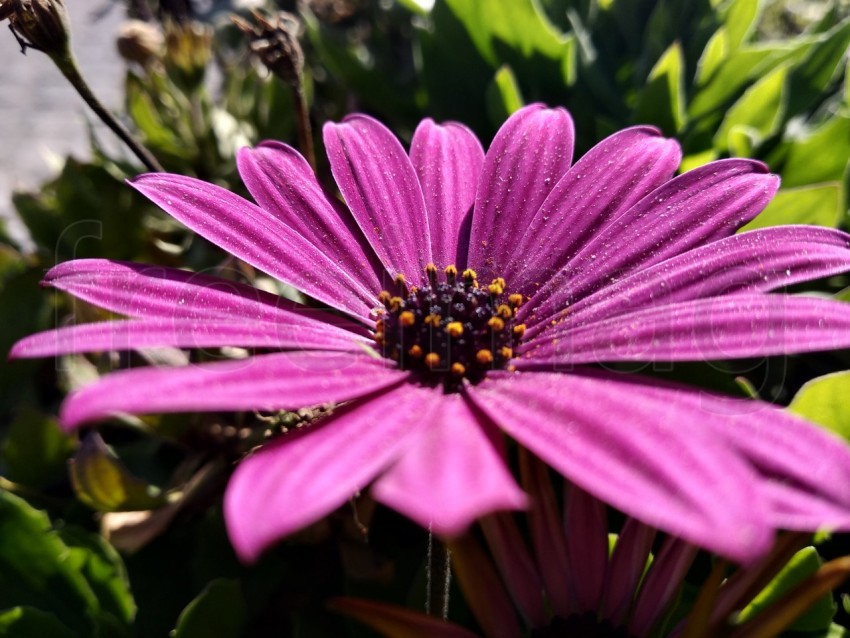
(824,401)
(104,483)
(219,610)
(821,205)
(802,565)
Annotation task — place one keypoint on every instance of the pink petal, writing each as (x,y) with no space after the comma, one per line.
(283,381)
(804,469)
(108,336)
(528,156)
(516,567)
(398,622)
(586,527)
(140,290)
(755,261)
(258,238)
(282,182)
(643,462)
(451,473)
(727,327)
(380,187)
(604,183)
(625,570)
(702,205)
(661,585)
(309,473)
(447,159)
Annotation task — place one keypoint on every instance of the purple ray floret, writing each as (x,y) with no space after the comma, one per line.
(519,270)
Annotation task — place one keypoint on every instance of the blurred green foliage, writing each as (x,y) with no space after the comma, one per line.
(725,77)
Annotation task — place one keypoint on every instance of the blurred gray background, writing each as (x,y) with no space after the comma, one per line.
(41,117)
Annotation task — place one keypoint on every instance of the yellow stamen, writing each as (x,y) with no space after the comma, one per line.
(515,300)
(395,303)
(384,298)
(458,369)
(433,320)
(506,352)
(469,275)
(407,319)
(484,357)
(496,288)
(431,273)
(519,329)
(496,324)
(455,328)
(415,352)
(505,311)
(432,360)
(451,273)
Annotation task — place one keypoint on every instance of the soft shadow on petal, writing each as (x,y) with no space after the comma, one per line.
(447,159)
(282,182)
(283,381)
(756,261)
(605,182)
(258,238)
(528,156)
(106,336)
(804,469)
(733,326)
(702,205)
(380,187)
(635,453)
(309,473)
(452,472)
(398,622)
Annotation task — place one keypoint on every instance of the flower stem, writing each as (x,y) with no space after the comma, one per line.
(439,578)
(68,66)
(302,122)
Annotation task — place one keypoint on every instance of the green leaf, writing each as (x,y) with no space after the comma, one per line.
(28,622)
(34,570)
(713,55)
(36,451)
(821,205)
(824,401)
(503,95)
(821,157)
(102,481)
(104,570)
(661,101)
(740,17)
(802,565)
(820,67)
(759,109)
(471,40)
(219,610)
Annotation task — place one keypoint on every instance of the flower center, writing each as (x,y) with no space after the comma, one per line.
(449,331)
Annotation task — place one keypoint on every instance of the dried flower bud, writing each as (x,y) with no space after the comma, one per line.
(42,25)
(275,42)
(140,42)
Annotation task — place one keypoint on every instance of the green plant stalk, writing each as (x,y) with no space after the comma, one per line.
(67,64)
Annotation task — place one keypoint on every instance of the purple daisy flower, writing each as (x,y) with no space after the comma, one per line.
(563,579)
(466,293)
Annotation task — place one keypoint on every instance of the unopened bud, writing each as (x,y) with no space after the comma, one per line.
(140,42)
(275,42)
(42,25)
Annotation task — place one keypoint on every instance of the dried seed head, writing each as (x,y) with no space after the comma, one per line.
(274,40)
(42,25)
